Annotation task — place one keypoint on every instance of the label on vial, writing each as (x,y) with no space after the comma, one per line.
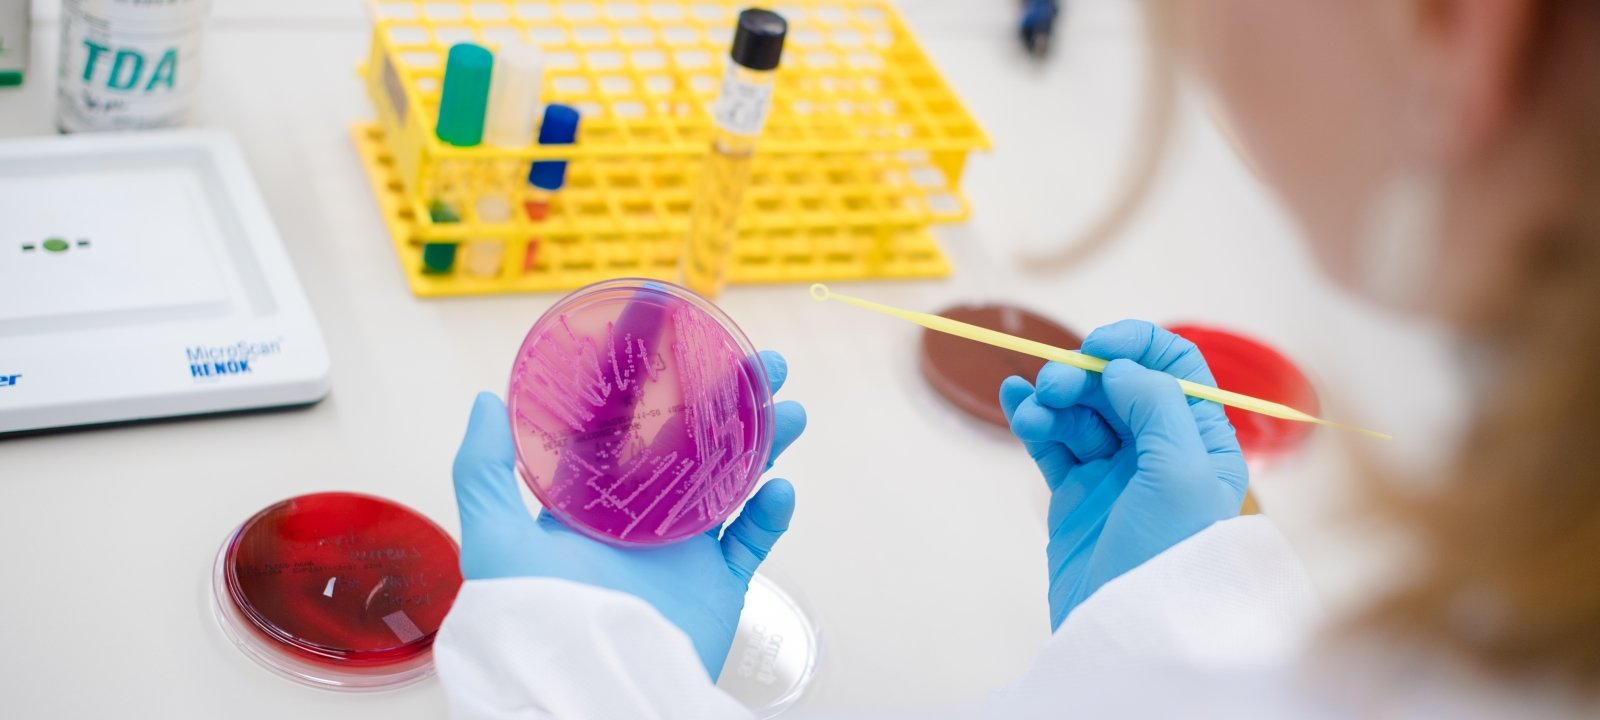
(742,107)
(128,64)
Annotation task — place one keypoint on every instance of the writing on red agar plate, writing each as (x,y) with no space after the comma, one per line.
(338,589)
(1247,366)
(641,414)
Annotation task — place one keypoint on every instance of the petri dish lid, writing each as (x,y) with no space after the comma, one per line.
(968,373)
(640,413)
(775,651)
(1248,366)
(337,590)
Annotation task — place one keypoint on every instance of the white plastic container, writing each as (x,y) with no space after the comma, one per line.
(128,64)
(14,30)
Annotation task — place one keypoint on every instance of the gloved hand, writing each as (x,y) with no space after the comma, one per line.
(699,583)
(1134,466)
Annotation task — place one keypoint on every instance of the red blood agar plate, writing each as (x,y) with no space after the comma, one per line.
(1246,366)
(337,590)
(641,414)
(969,373)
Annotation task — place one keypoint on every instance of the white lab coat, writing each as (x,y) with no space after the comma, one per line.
(1218,626)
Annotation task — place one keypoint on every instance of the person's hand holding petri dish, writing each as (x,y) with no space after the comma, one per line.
(638,436)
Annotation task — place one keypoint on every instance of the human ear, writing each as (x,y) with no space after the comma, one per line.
(1472,73)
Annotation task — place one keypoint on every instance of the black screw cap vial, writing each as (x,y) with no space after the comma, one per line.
(758,43)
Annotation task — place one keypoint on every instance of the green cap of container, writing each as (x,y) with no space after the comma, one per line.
(465,97)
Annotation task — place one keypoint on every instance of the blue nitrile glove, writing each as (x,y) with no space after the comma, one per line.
(1133,465)
(699,583)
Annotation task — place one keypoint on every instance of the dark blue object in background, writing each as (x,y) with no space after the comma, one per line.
(1038,25)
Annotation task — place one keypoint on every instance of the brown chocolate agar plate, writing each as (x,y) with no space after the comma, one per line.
(969,373)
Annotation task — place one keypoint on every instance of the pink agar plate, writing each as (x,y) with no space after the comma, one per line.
(641,414)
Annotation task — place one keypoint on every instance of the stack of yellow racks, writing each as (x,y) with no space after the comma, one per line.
(862,153)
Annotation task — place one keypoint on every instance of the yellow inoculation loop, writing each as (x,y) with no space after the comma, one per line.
(1079,360)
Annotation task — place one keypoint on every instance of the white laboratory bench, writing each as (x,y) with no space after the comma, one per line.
(919,539)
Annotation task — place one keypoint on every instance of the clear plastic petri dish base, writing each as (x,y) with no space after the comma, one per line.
(775,651)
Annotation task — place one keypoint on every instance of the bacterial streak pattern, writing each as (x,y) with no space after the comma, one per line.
(598,399)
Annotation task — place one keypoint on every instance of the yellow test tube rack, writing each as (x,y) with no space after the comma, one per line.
(863,151)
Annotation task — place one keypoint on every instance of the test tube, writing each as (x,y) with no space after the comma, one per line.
(513,103)
(739,113)
(545,177)
(462,103)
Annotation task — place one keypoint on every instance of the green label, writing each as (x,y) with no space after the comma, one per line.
(124,69)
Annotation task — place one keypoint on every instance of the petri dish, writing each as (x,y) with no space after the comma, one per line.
(774,653)
(968,374)
(640,413)
(1248,366)
(337,590)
